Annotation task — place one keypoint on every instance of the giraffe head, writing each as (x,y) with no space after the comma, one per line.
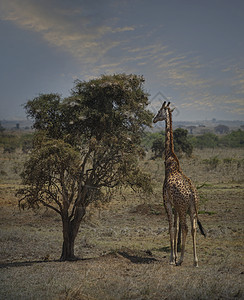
(162,113)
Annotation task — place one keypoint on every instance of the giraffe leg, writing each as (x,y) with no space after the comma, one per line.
(193,233)
(179,239)
(175,234)
(184,234)
(169,212)
(171,233)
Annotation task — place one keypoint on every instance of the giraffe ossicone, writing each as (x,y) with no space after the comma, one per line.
(179,194)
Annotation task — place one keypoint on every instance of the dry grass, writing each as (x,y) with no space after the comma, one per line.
(124,246)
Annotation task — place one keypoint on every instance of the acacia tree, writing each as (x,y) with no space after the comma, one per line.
(85,146)
(221,129)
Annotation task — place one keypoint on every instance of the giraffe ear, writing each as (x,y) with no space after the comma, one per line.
(172,109)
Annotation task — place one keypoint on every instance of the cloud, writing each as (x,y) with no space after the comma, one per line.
(123,29)
(235,79)
(238,81)
(197,85)
(61,28)
(202,86)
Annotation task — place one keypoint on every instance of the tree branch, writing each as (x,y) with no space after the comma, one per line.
(50,206)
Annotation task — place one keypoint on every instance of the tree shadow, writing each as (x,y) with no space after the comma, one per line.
(137,259)
(33,262)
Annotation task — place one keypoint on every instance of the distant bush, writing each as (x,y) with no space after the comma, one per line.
(11,141)
(206,140)
(149,138)
(212,162)
(155,142)
(182,142)
(221,129)
(158,147)
(234,139)
(8,142)
(1,128)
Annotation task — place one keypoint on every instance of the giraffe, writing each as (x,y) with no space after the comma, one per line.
(179,194)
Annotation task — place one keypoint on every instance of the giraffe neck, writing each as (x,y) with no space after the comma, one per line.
(171,159)
(169,143)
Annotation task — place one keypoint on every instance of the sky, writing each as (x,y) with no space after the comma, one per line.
(190,52)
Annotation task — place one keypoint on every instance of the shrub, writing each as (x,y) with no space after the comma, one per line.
(207,140)
(181,141)
(234,139)
(158,147)
(212,162)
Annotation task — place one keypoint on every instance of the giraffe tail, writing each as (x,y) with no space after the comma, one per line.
(202,230)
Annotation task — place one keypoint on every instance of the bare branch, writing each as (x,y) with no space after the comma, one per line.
(50,206)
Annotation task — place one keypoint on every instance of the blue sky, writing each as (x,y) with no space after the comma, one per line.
(191,51)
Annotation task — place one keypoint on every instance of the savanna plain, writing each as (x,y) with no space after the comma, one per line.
(123,245)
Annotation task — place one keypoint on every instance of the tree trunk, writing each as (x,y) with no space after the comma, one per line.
(68,241)
(70,231)
(68,250)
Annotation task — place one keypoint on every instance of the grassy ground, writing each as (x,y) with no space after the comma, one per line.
(124,246)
